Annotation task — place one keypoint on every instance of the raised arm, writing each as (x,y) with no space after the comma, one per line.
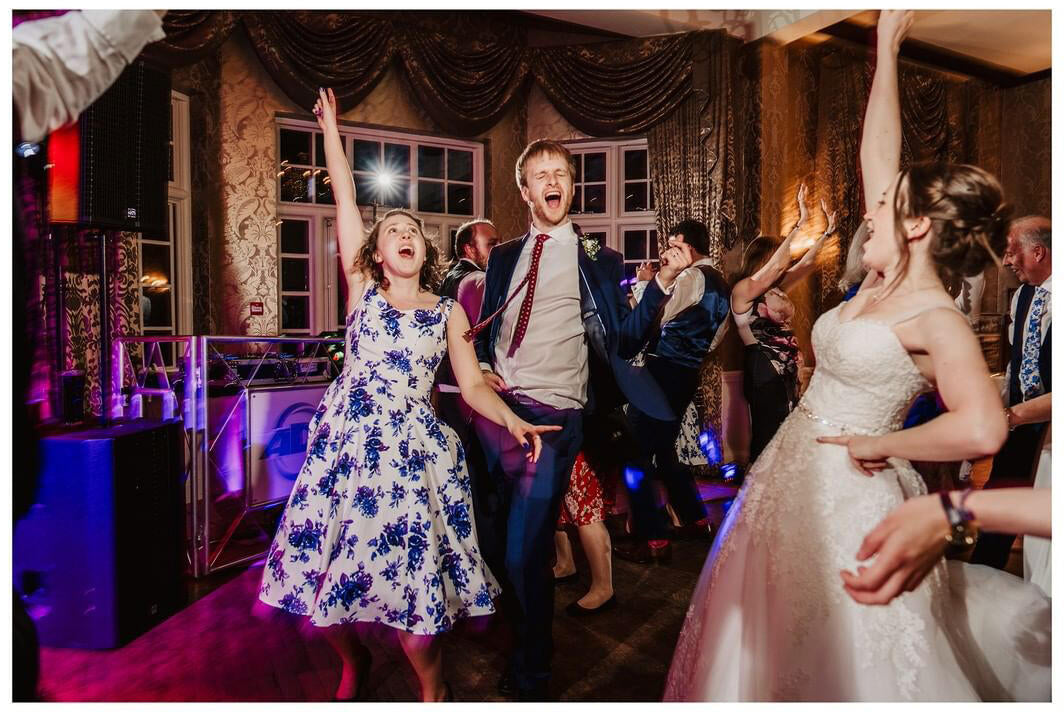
(747,290)
(881,137)
(350,233)
(807,263)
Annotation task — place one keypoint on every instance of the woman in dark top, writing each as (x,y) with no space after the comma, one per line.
(762,312)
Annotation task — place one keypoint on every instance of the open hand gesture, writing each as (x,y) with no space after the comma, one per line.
(906,544)
(325,109)
(831,218)
(645,271)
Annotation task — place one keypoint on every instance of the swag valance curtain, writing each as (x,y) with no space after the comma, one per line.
(464,84)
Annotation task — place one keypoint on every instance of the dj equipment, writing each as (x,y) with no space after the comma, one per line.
(99,556)
(109,169)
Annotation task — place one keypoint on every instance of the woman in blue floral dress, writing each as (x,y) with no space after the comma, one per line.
(379,527)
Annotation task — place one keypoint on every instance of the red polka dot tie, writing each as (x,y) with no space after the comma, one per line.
(526,304)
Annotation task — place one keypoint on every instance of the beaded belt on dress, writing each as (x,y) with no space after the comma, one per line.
(838,426)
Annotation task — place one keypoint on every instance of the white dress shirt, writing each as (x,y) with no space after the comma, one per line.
(550,365)
(686,291)
(61,65)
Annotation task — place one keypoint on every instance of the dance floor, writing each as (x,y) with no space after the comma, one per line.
(217,650)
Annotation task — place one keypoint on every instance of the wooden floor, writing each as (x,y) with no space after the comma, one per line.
(217,650)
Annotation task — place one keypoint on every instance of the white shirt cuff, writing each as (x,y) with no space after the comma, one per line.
(666,291)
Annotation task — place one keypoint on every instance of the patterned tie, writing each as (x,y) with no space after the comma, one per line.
(526,305)
(1030,376)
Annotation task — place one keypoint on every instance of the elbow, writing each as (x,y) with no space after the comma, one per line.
(988,436)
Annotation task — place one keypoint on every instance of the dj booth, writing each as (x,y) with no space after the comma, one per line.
(245,404)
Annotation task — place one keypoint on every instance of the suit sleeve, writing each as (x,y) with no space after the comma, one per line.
(635,324)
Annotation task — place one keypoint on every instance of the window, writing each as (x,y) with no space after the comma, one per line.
(439,178)
(165,260)
(612,198)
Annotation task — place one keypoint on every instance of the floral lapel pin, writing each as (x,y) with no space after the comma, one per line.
(591,246)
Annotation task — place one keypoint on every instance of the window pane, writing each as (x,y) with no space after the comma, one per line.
(295,275)
(323,189)
(635,164)
(367,156)
(579,160)
(396,195)
(595,166)
(460,199)
(294,184)
(594,198)
(650,191)
(319,149)
(365,189)
(635,245)
(430,196)
(295,313)
(430,162)
(653,244)
(635,196)
(294,237)
(155,285)
(459,165)
(397,159)
(578,198)
(295,146)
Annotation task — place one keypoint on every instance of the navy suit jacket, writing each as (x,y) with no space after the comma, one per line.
(615,332)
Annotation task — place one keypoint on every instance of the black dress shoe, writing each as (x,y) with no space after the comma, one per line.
(575,610)
(641,552)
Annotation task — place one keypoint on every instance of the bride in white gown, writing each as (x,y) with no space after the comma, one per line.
(769,619)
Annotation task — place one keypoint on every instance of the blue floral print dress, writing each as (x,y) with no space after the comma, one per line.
(379,527)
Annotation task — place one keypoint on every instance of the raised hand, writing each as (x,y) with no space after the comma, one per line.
(893,26)
(831,218)
(645,272)
(673,261)
(528,435)
(325,109)
(803,208)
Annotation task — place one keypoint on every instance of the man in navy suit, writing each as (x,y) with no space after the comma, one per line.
(1027,380)
(555,333)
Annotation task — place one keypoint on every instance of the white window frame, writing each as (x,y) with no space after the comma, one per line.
(615,221)
(179,226)
(324,286)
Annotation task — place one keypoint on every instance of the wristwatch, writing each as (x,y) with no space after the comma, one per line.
(962,533)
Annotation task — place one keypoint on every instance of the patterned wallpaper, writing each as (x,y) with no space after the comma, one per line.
(247,265)
(1026,158)
(545,122)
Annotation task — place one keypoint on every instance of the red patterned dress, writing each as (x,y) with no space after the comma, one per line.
(590,497)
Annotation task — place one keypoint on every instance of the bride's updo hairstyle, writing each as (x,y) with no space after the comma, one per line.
(969,217)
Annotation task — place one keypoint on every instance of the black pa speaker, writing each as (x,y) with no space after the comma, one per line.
(99,557)
(110,169)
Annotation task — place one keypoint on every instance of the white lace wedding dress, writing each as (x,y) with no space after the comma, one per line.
(769,619)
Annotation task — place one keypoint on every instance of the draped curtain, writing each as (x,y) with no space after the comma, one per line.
(693,174)
(464,83)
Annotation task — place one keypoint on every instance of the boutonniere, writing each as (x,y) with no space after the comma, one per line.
(591,246)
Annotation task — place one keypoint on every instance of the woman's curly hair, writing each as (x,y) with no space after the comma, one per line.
(430,270)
